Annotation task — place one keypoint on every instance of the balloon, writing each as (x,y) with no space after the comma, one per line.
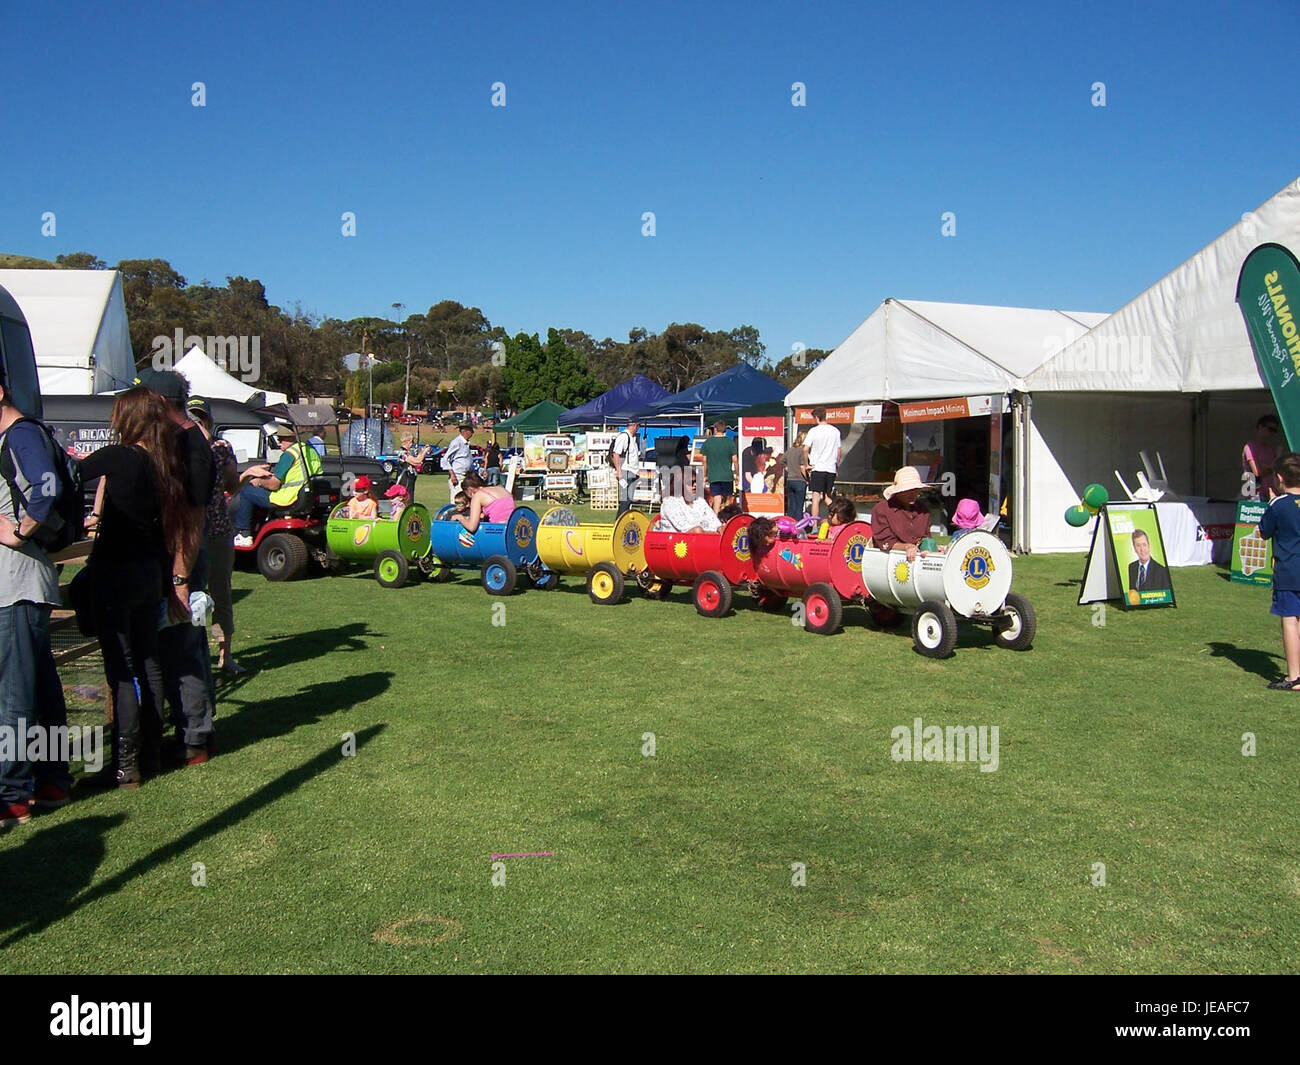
(1095,497)
(1078,516)
(1091,509)
(786,526)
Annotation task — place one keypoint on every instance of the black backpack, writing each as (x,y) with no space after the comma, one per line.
(66,522)
(609,458)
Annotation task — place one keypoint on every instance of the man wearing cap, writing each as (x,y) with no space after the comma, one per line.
(458,459)
(265,488)
(900,519)
(182,647)
(626,458)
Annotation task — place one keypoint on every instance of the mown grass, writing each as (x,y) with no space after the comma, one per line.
(1119,744)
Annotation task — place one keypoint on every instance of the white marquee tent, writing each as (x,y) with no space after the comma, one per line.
(1170,372)
(79,328)
(912,349)
(210,381)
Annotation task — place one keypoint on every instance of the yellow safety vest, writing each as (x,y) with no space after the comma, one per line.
(306,464)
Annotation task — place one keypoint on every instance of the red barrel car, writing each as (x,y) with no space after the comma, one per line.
(712,563)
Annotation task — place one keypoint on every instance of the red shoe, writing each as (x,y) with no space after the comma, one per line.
(50,797)
(15,813)
(199,755)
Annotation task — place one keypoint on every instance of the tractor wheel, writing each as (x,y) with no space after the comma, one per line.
(934,629)
(822,609)
(499,575)
(605,583)
(712,594)
(282,557)
(391,569)
(1014,628)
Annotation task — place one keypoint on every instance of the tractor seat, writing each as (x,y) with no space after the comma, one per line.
(306,502)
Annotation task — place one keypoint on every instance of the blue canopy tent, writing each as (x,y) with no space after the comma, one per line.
(614,406)
(723,394)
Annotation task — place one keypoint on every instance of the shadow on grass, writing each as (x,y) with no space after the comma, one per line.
(260,719)
(52,867)
(1247,659)
(303,646)
(38,858)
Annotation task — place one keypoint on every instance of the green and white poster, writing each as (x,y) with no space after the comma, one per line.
(1268,294)
(1252,555)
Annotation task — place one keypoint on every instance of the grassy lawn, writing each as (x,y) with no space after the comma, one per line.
(1119,744)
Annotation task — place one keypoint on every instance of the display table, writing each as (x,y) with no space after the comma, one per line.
(1197,532)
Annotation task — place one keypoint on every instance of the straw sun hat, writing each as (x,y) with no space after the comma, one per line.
(905,479)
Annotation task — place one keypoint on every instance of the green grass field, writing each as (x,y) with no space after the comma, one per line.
(1119,744)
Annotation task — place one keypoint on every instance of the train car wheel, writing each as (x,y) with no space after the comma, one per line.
(1014,628)
(712,594)
(391,569)
(822,609)
(547,582)
(934,629)
(499,575)
(605,583)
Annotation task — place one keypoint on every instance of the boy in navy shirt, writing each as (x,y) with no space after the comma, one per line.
(1281,524)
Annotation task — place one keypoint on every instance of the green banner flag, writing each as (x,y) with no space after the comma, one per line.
(1268,293)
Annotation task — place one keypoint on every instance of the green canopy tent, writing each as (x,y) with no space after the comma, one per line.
(539,418)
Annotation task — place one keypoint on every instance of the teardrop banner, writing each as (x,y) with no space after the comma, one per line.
(1268,294)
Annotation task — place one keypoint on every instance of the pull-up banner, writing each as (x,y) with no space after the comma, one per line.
(1268,293)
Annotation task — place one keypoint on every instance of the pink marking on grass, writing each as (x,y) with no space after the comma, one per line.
(529,854)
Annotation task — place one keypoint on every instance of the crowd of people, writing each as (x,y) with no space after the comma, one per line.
(160,565)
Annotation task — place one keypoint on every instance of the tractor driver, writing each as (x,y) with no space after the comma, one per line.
(266,488)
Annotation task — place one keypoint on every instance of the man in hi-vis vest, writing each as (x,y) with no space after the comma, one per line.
(267,488)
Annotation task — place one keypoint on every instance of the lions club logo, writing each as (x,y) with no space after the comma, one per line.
(740,545)
(414,526)
(631,536)
(976,566)
(524,533)
(854,550)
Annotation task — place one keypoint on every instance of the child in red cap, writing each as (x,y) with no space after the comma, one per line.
(400,497)
(362,504)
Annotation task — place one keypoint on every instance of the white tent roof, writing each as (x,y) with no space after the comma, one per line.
(1185,333)
(74,315)
(913,349)
(210,381)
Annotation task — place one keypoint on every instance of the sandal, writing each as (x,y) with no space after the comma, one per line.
(1282,684)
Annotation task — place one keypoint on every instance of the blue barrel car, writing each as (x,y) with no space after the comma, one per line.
(498,549)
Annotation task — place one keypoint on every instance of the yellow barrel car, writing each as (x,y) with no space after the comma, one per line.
(607,554)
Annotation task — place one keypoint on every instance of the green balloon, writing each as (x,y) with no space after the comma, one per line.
(1095,496)
(1078,516)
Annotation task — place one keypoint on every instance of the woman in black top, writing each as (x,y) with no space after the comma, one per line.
(142,519)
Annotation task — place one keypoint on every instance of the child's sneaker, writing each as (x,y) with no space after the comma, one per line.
(50,797)
(15,813)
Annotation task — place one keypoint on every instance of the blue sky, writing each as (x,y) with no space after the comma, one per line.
(798,220)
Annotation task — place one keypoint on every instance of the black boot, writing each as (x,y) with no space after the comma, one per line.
(128,768)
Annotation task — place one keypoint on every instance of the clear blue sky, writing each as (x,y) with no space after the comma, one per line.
(796,220)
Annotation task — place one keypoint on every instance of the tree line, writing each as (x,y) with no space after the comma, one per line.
(450,348)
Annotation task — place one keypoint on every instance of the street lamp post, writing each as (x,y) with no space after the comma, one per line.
(370,392)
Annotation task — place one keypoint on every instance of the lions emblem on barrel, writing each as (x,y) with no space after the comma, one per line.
(976,567)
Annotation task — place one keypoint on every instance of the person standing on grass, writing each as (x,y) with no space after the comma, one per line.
(458,459)
(720,465)
(625,456)
(1281,524)
(795,464)
(219,536)
(30,690)
(825,449)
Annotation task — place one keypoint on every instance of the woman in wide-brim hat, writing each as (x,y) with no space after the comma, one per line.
(900,520)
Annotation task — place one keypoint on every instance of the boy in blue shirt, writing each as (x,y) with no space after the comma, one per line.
(1281,524)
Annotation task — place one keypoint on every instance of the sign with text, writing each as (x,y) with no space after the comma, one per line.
(939,409)
(1252,555)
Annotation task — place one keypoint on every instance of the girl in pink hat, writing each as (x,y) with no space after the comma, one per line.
(966,517)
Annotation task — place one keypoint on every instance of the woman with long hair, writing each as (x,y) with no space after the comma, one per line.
(487,502)
(143,520)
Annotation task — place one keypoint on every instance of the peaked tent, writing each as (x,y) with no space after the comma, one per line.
(1172,371)
(539,418)
(914,349)
(79,330)
(616,404)
(732,390)
(210,381)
